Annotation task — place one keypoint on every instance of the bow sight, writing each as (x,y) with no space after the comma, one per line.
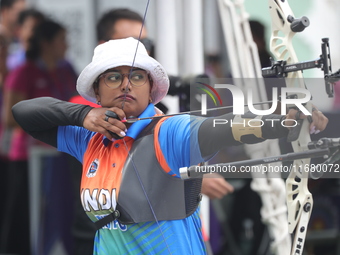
(280,68)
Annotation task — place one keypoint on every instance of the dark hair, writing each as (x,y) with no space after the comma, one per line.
(108,20)
(7,3)
(45,31)
(257,28)
(25,14)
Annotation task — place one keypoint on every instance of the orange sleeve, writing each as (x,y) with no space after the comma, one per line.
(159,153)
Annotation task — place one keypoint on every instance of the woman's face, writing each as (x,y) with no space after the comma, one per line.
(132,99)
(57,46)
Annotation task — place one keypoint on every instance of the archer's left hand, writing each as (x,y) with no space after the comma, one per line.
(318,120)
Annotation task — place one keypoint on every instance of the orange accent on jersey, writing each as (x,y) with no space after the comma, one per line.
(159,153)
(111,160)
(103,166)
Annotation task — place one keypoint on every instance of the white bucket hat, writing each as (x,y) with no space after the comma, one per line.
(121,53)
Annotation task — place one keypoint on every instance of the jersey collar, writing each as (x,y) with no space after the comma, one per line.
(138,126)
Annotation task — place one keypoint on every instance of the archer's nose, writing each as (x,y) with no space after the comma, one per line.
(126,85)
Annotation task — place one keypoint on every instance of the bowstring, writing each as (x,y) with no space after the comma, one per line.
(126,147)
(146,196)
(134,57)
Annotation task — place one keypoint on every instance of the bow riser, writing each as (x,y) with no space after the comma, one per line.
(299,199)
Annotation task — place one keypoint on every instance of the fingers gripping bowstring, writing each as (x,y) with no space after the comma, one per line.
(134,57)
(126,147)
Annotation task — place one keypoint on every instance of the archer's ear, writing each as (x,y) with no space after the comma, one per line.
(97,97)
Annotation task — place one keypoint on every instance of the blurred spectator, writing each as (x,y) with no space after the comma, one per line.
(123,23)
(9,11)
(27,20)
(258,32)
(8,61)
(3,71)
(4,42)
(44,73)
(118,24)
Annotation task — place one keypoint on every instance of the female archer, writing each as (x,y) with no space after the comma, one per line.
(130,185)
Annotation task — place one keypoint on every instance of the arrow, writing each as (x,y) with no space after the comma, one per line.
(134,119)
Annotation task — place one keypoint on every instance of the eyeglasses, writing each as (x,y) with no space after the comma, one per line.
(114,79)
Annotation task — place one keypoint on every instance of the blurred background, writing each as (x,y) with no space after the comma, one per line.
(172,24)
(188,39)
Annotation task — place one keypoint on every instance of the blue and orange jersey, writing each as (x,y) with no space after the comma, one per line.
(176,145)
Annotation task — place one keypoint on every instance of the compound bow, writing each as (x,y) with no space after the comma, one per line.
(299,199)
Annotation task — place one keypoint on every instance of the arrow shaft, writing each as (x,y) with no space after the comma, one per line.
(133,120)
